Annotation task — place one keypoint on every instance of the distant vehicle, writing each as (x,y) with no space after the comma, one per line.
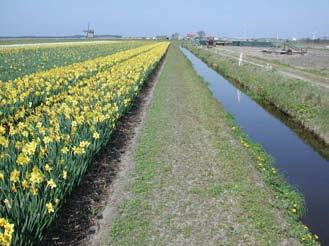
(280,51)
(211,42)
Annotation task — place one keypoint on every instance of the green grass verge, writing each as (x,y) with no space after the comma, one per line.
(307,105)
(319,72)
(198,178)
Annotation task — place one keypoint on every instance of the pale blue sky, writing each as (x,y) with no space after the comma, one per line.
(252,18)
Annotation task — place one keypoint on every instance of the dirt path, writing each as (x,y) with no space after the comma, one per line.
(286,71)
(194,182)
(118,191)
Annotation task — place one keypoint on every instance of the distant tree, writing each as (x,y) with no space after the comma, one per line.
(175,36)
(201,34)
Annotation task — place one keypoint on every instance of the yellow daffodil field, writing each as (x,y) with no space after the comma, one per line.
(19,61)
(30,90)
(52,122)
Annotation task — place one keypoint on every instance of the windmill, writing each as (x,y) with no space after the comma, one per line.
(89,32)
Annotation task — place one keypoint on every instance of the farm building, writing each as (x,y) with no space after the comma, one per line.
(190,36)
(252,43)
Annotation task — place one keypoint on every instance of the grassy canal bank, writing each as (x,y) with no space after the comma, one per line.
(197,178)
(304,103)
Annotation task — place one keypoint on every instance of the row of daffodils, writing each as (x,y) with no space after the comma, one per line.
(19,61)
(31,90)
(46,150)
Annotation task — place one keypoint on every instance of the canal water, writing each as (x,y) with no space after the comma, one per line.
(302,165)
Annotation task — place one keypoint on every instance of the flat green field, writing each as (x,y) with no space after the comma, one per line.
(196,180)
